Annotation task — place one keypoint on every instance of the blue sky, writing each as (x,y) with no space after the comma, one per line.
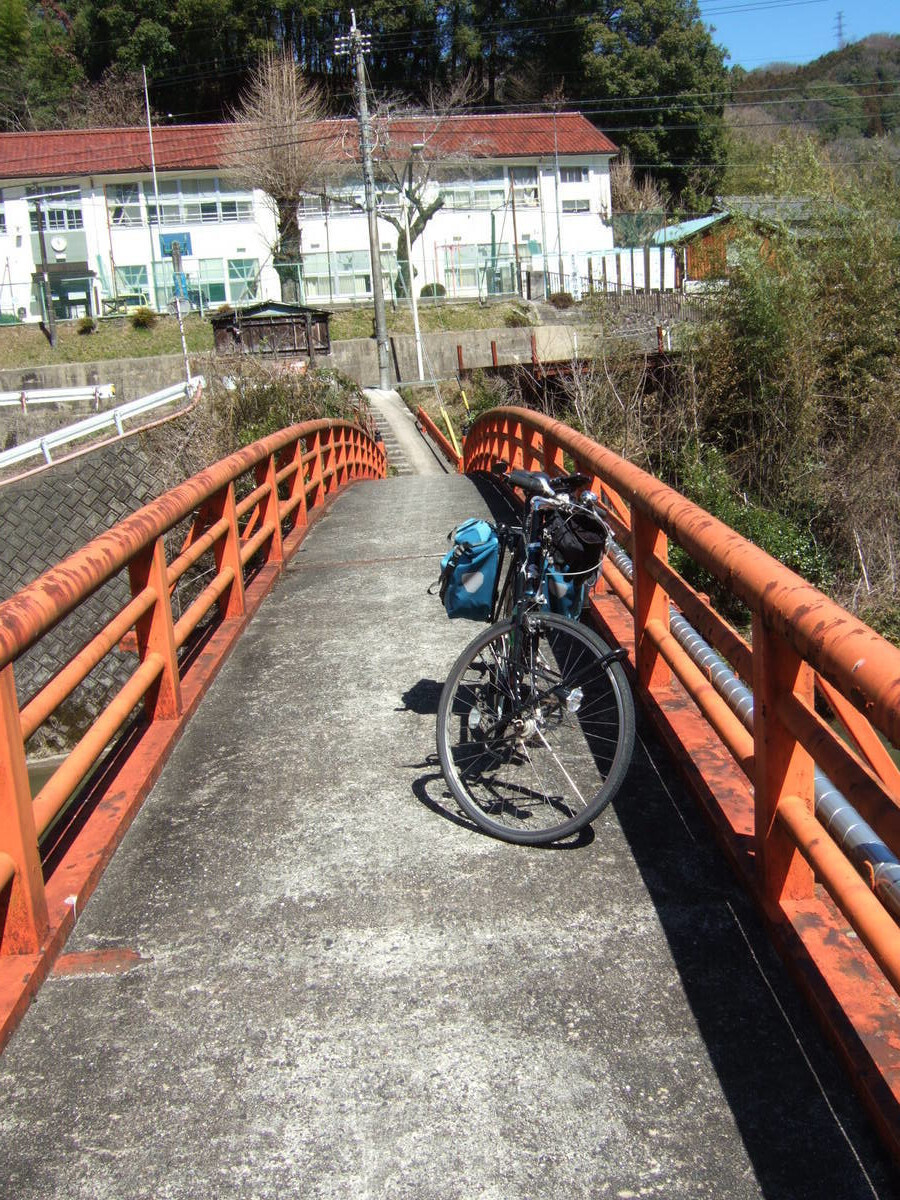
(756,32)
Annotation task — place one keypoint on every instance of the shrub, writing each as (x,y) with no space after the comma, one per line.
(561,299)
(706,480)
(143,318)
(431,290)
(518,317)
(258,398)
(86,325)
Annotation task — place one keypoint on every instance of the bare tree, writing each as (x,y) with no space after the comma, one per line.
(410,153)
(116,100)
(638,205)
(273,145)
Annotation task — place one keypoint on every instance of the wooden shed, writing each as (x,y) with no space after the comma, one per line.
(273,328)
(701,248)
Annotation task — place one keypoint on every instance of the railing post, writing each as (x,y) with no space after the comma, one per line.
(297,486)
(515,454)
(782,767)
(156,632)
(316,480)
(554,464)
(328,457)
(651,603)
(227,552)
(25,920)
(531,458)
(269,509)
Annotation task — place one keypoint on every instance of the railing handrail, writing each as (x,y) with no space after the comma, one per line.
(842,648)
(244,516)
(23,397)
(109,418)
(45,601)
(808,815)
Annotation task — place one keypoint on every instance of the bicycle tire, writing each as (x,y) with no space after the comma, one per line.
(536,768)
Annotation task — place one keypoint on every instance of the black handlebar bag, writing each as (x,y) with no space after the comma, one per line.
(577,541)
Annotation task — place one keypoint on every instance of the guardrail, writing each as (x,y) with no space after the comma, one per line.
(245,516)
(72,395)
(758,783)
(111,418)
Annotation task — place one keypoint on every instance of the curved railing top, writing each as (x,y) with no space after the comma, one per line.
(40,605)
(842,648)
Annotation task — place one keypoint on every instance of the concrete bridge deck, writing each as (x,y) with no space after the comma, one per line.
(322,982)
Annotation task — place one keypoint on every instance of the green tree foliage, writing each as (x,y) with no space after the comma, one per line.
(658,55)
(797,375)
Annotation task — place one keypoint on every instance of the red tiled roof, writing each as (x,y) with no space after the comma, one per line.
(203,147)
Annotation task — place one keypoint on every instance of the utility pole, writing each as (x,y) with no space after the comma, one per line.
(49,329)
(153,247)
(355,45)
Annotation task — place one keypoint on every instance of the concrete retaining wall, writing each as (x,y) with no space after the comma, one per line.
(358,358)
(133,377)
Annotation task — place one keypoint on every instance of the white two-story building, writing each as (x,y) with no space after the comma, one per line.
(525,204)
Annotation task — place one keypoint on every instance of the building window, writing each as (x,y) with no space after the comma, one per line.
(243,279)
(123,201)
(582,204)
(201,201)
(2,214)
(132,285)
(481,197)
(573,174)
(212,281)
(60,206)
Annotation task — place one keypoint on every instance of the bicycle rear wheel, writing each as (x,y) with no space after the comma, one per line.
(535,739)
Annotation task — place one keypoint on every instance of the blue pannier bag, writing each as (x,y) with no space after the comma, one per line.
(564,594)
(469,571)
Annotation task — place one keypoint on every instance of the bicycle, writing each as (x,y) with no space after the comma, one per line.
(535,725)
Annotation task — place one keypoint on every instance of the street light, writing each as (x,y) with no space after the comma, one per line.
(415,150)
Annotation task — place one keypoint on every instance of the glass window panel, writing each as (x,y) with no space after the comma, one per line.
(124,204)
(212,280)
(229,210)
(243,279)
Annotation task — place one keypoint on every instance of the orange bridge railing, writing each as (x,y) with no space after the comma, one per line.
(757,777)
(232,528)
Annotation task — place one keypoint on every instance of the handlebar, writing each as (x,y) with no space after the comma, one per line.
(537,483)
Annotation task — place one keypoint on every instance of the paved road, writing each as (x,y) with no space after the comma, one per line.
(346,991)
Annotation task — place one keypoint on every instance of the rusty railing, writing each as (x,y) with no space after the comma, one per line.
(244,516)
(757,782)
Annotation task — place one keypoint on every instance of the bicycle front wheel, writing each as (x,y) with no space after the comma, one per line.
(535,729)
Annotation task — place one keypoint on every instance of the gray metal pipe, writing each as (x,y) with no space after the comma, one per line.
(856,838)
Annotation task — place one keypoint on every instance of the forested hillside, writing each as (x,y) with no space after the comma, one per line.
(851,92)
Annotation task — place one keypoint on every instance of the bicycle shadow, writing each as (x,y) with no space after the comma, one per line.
(432,792)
